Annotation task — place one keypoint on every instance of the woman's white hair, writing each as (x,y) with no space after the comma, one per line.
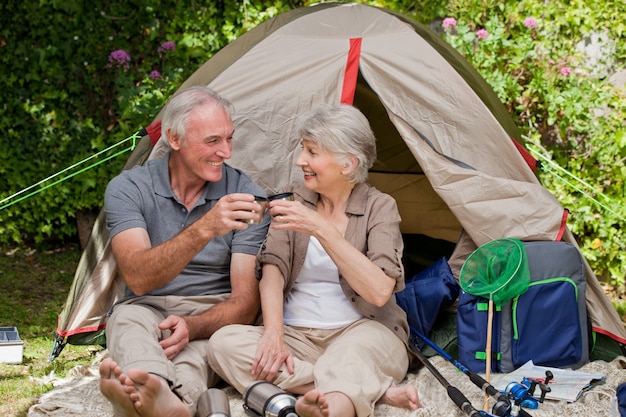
(345,132)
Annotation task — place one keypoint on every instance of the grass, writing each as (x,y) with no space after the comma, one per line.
(34,287)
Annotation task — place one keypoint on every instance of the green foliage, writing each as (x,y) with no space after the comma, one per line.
(64,100)
(564,106)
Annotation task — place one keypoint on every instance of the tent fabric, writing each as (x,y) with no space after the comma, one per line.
(448,151)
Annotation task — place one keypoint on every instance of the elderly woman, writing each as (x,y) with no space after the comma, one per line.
(332,331)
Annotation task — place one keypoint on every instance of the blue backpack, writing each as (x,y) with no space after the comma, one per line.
(548,323)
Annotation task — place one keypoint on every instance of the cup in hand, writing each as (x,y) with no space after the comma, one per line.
(281,196)
(262,202)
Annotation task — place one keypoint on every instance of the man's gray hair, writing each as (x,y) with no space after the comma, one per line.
(178,109)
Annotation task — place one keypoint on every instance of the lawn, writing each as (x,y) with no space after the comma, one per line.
(34,286)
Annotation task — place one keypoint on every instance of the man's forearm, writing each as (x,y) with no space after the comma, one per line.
(231,311)
(148,268)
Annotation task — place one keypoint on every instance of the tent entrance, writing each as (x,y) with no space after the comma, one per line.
(393,153)
(397,172)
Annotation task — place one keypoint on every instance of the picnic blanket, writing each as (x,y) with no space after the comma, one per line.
(79,395)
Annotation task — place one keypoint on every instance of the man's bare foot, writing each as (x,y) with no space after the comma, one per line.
(152,396)
(403,397)
(312,404)
(112,385)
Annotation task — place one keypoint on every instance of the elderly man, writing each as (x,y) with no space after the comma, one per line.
(185,247)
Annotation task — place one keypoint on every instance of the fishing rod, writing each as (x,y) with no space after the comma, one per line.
(453,392)
(502,406)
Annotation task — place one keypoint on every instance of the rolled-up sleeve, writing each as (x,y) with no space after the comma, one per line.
(275,251)
(384,239)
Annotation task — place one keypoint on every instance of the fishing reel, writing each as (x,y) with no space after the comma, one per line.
(522,394)
(505,408)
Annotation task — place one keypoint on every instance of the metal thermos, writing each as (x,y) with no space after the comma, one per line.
(213,403)
(264,399)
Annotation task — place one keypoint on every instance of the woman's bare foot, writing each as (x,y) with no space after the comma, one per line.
(403,397)
(112,385)
(312,404)
(152,396)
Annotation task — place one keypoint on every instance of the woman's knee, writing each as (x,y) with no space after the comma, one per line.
(229,339)
(224,334)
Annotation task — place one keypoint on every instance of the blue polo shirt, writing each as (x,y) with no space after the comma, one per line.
(143,197)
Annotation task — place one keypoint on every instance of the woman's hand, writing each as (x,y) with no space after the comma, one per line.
(293,215)
(271,354)
(329,226)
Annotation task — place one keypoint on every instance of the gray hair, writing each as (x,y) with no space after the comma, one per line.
(177,111)
(345,132)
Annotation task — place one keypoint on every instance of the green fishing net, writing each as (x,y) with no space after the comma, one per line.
(497,270)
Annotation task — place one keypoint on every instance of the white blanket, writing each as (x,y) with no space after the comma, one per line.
(79,395)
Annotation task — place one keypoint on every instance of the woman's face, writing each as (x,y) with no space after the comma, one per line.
(322,171)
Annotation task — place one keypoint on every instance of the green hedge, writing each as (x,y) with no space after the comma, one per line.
(65,97)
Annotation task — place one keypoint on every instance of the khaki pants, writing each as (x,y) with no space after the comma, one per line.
(361,360)
(133,342)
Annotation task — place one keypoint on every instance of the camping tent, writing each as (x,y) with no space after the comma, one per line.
(447,150)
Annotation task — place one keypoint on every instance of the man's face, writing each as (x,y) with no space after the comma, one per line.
(208,143)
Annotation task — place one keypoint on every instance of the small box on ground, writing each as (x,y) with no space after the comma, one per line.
(11,346)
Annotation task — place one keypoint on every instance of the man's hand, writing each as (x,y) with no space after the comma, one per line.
(231,213)
(179,337)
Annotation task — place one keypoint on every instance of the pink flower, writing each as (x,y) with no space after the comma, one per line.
(482,33)
(530,23)
(119,59)
(155,75)
(449,23)
(565,71)
(165,47)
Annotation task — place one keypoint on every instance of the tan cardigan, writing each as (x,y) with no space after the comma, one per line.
(373,228)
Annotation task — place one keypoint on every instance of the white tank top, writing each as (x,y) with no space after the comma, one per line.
(316,299)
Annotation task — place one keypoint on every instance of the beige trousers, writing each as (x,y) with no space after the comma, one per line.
(361,360)
(133,337)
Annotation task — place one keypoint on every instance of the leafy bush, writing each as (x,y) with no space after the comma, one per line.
(79,77)
(572,117)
